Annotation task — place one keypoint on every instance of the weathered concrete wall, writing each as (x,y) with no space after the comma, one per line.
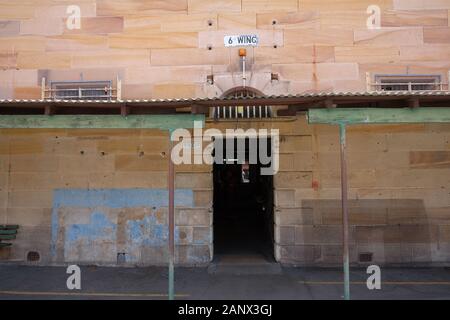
(160,48)
(399,182)
(87,195)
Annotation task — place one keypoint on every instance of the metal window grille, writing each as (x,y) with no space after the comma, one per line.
(242,112)
(408,83)
(82,90)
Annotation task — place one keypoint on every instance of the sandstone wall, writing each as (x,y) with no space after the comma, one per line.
(160,49)
(86,196)
(399,198)
(399,181)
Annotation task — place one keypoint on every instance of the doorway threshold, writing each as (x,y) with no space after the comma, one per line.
(243,264)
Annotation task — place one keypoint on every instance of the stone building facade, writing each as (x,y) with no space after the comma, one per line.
(100,196)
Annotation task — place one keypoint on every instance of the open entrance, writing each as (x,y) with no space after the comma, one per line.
(243,204)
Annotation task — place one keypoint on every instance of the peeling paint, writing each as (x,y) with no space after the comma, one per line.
(132,216)
(87,241)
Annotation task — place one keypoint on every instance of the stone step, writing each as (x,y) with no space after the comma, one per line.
(245,269)
(243,264)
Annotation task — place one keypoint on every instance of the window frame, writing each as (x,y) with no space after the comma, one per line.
(409,81)
(80,86)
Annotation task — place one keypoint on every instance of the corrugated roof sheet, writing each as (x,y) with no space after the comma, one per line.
(218,99)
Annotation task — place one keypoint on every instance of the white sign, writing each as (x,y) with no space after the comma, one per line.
(241,40)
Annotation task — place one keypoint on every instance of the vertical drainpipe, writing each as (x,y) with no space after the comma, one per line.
(171,184)
(344,189)
(244,76)
(243,56)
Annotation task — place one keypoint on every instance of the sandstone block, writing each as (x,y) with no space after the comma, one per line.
(437,35)
(194,180)
(294,54)
(288,20)
(294,216)
(193,217)
(196,6)
(389,36)
(189,23)
(269,5)
(403,18)
(285,235)
(341,37)
(154,41)
(230,21)
(293,179)
(367,54)
(9,28)
(139,7)
(140,163)
(179,57)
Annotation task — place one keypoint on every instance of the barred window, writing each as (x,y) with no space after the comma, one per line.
(82,90)
(236,112)
(408,83)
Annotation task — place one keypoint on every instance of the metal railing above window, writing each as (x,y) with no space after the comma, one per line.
(408,83)
(81,90)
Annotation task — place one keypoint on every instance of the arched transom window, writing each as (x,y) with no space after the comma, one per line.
(240,111)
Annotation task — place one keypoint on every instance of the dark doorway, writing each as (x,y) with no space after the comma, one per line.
(243,207)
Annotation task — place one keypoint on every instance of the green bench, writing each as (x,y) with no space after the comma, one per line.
(7,232)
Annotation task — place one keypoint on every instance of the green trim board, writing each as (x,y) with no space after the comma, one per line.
(8,232)
(9,227)
(163,122)
(7,236)
(378,115)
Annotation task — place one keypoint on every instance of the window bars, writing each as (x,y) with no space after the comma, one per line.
(242,112)
(81,90)
(238,112)
(407,83)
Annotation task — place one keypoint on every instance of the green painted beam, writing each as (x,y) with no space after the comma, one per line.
(163,122)
(7,236)
(6,232)
(378,115)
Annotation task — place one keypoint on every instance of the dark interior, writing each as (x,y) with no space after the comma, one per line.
(243,209)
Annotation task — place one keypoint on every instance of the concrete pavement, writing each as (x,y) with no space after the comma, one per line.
(27,282)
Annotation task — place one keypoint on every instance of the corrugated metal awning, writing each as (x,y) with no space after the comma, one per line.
(299,102)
